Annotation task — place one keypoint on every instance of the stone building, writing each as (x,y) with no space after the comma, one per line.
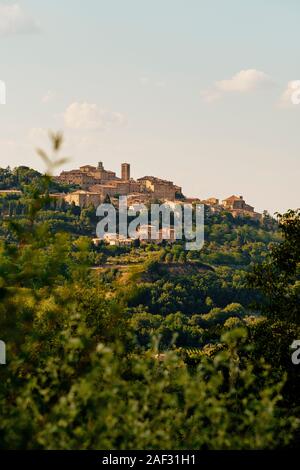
(236,202)
(212,201)
(238,207)
(125,172)
(87,176)
(160,189)
(114,239)
(83,198)
(97,183)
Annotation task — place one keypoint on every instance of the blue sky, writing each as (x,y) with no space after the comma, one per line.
(191,90)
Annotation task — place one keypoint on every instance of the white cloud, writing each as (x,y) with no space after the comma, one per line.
(89,116)
(244,81)
(13,20)
(291,95)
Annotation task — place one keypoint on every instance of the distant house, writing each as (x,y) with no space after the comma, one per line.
(238,207)
(236,202)
(114,239)
(212,201)
(83,198)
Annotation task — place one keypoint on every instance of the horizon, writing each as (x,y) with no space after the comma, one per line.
(182,91)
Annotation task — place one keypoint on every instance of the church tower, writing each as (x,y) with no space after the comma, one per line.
(125,170)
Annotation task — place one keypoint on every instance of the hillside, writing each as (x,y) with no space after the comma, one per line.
(139,331)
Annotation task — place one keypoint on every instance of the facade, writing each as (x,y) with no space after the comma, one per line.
(160,189)
(114,239)
(97,183)
(87,176)
(212,201)
(125,171)
(83,198)
(236,205)
(236,202)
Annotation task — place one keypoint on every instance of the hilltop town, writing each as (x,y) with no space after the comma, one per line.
(96,185)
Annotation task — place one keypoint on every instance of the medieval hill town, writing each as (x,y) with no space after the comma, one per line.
(96,184)
(89,186)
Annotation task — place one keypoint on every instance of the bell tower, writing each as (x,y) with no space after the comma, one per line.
(125,171)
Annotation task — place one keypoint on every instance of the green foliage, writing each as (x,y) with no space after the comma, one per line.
(22,176)
(278,277)
(92,397)
(84,371)
(279,281)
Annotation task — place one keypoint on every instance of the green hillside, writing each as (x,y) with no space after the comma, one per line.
(150,346)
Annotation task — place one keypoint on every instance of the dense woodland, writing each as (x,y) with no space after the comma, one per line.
(149,346)
(21,176)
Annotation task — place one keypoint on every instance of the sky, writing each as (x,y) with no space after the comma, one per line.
(201,92)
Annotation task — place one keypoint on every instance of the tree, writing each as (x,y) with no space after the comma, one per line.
(278,277)
(278,280)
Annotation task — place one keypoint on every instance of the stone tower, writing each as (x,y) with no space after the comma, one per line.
(125,171)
